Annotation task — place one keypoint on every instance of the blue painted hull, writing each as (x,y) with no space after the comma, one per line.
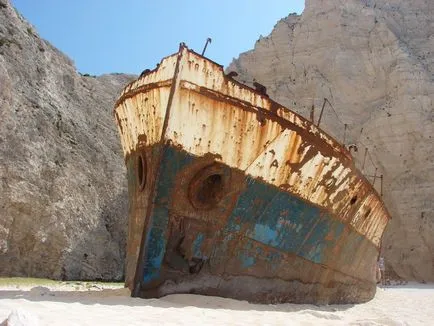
(257,242)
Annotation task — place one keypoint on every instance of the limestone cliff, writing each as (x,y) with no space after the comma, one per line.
(63,199)
(374,61)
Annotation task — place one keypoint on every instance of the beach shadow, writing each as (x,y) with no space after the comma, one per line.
(121,297)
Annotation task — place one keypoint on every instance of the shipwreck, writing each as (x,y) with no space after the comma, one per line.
(234,195)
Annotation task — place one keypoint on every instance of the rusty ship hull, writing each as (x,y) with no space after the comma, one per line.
(234,195)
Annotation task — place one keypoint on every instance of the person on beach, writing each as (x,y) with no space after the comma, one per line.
(381,267)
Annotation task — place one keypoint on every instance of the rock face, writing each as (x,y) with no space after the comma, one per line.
(374,61)
(63,200)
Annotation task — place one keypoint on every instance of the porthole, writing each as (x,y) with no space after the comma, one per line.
(141,171)
(353,200)
(207,187)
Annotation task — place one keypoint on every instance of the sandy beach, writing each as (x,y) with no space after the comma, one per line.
(82,303)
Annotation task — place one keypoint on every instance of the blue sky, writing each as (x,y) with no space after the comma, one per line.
(128,36)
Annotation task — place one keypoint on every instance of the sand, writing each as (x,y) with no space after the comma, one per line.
(78,303)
